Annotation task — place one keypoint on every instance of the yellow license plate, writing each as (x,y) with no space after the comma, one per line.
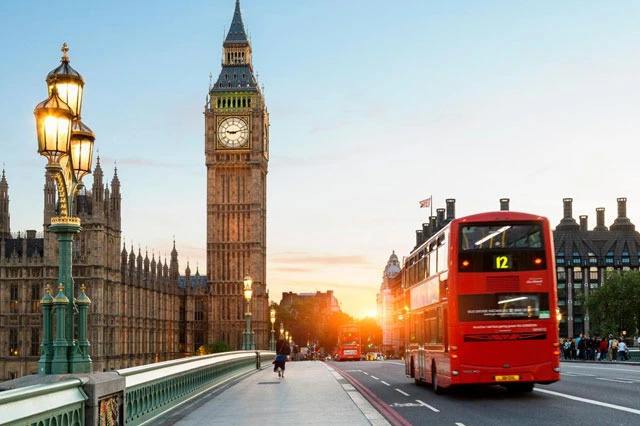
(514,378)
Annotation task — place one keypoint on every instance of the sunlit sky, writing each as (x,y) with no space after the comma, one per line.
(374,106)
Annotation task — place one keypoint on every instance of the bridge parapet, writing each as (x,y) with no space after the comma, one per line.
(130,396)
(60,403)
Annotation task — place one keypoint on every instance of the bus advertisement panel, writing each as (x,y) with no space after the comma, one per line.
(482,304)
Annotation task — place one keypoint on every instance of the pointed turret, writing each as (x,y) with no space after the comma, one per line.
(5,223)
(98,185)
(237,70)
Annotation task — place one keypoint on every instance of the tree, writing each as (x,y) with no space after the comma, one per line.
(615,307)
(213,348)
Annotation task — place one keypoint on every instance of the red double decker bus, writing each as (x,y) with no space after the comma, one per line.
(348,348)
(482,303)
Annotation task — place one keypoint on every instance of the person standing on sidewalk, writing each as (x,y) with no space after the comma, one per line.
(282,353)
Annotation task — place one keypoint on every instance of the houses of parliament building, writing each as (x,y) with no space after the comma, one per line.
(142,309)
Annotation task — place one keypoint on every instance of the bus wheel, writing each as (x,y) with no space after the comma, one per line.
(520,387)
(434,380)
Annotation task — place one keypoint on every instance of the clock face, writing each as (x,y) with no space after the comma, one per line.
(233,132)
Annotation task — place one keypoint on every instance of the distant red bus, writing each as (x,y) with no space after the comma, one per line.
(482,303)
(349,348)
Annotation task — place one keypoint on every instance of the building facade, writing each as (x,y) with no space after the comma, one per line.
(236,156)
(142,310)
(584,257)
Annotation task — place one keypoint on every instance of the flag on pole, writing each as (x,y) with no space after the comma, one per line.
(425,203)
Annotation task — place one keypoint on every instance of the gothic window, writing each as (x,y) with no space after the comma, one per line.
(35,298)
(15,304)
(35,342)
(13,342)
(199,314)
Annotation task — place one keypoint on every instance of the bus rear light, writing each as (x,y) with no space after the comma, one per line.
(556,344)
(556,352)
(455,372)
(454,347)
(465,263)
(537,261)
(454,356)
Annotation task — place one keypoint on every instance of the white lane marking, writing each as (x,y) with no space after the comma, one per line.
(589,401)
(564,373)
(384,383)
(428,406)
(364,372)
(459,424)
(402,392)
(614,380)
(374,377)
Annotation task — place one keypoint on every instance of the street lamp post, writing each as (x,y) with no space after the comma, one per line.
(67,143)
(272,318)
(247,336)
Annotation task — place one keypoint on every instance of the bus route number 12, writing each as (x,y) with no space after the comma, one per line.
(502,262)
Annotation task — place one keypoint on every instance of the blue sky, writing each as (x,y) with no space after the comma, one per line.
(374,106)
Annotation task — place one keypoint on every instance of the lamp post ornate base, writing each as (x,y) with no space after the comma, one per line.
(65,354)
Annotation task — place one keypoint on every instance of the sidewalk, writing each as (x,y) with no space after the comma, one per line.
(312,393)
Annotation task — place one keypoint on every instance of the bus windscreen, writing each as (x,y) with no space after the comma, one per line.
(502,247)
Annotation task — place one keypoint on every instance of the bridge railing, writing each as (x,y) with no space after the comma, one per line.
(153,389)
(131,396)
(60,403)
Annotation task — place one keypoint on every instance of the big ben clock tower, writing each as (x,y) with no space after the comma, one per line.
(237,156)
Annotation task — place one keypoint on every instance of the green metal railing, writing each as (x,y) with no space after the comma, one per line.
(149,391)
(60,403)
(154,389)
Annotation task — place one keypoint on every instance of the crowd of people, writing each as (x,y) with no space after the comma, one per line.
(594,348)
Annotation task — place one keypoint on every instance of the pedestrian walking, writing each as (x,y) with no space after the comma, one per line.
(282,354)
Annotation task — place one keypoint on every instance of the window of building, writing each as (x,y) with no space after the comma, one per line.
(13,342)
(35,298)
(13,297)
(35,342)
(577,274)
(562,274)
(199,313)
(593,274)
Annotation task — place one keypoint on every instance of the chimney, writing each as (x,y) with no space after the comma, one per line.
(451,209)
(568,222)
(568,208)
(504,204)
(419,238)
(439,218)
(432,224)
(600,220)
(622,222)
(584,226)
(622,208)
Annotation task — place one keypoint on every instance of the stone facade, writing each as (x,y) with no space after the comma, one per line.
(141,309)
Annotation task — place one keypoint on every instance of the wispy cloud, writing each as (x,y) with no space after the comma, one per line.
(315,259)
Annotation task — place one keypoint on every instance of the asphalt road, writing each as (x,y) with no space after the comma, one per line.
(587,394)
